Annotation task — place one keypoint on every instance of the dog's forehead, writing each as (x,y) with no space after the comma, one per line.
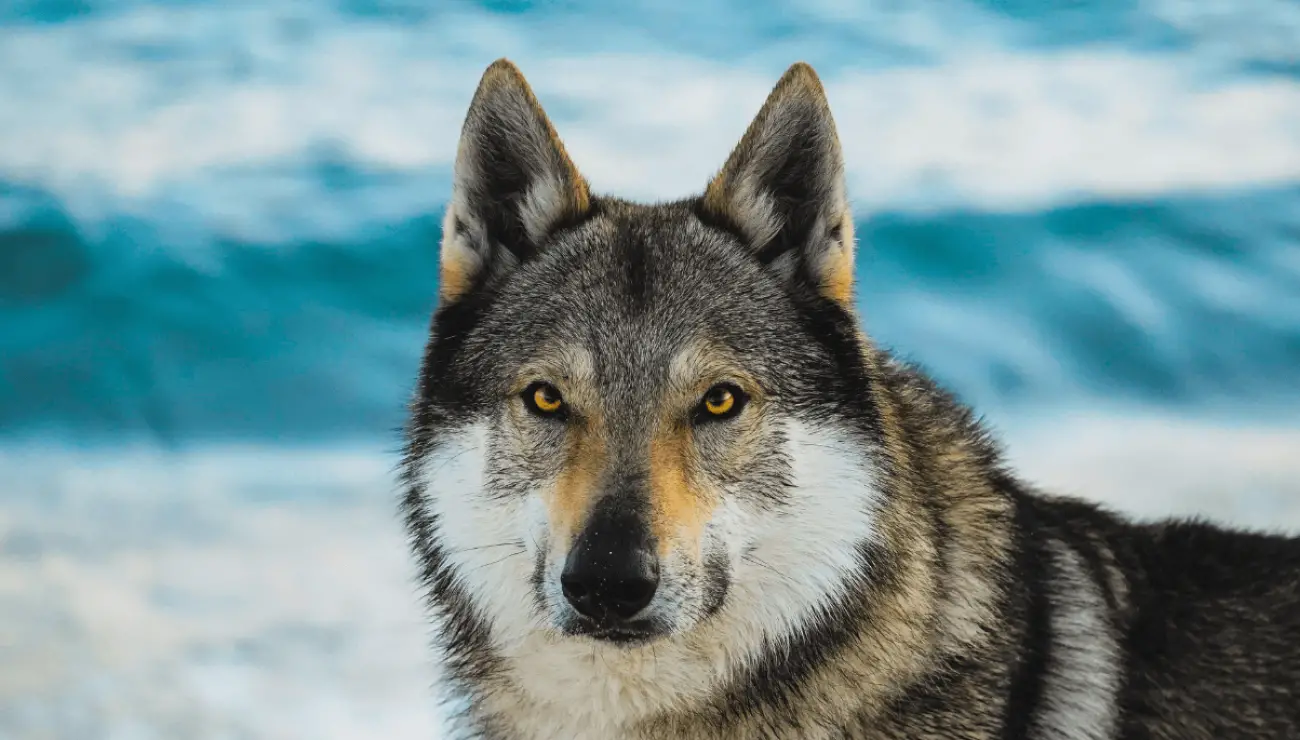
(635,299)
(640,247)
(642,286)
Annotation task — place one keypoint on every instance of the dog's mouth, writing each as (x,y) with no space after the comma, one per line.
(625,634)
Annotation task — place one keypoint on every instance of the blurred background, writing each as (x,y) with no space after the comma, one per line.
(218,235)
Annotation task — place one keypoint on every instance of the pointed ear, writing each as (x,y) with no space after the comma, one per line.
(513,184)
(783,188)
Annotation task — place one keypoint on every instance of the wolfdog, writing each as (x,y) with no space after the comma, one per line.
(660,484)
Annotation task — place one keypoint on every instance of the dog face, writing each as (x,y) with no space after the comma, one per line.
(636,421)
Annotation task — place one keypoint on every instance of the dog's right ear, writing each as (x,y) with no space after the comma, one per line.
(783,188)
(513,184)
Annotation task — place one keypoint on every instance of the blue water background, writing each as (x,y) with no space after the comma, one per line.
(285,298)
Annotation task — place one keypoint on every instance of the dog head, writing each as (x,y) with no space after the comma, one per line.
(637,421)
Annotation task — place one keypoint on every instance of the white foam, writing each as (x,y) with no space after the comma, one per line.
(218,594)
(983,126)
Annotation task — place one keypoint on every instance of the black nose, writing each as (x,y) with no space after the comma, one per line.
(612,571)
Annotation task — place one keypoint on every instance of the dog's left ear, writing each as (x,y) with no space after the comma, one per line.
(513,185)
(783,188)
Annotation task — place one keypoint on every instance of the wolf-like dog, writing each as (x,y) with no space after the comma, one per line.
(660,484)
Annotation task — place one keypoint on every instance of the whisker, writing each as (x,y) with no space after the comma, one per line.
(761,563)
(755,560)
(450,459)
(832,448)
(500,560)
(511,543)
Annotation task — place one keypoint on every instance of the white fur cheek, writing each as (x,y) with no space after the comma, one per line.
(730,529)
(798,557)
(490,543)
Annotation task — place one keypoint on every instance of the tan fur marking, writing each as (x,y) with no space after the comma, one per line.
(454,275)
(715,195)
(576,487)
(455,261)
(837,281)
(680,510)
(581,191)
(454,279)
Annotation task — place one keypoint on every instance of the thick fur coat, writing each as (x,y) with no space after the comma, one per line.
(661,485)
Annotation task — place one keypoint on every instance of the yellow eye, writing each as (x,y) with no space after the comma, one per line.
(722,401)
(545,398)
(719,400)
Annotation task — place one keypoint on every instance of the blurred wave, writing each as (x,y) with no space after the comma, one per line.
(113,334)
(220,221)
(953,103)
(122,330)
